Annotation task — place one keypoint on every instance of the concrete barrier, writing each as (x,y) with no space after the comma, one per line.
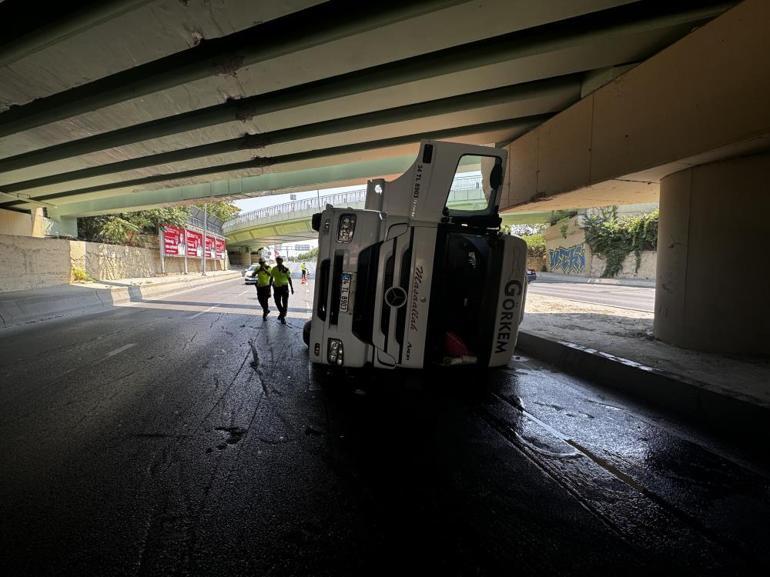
(24,307)
(556,277)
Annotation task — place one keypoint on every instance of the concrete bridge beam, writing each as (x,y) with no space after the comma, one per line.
(692,125)
(701,99)
(712,276)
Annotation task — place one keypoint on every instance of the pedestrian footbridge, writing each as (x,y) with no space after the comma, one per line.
(290,221)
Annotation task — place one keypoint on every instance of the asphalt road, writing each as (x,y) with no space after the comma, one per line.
(185,436)
(626,297)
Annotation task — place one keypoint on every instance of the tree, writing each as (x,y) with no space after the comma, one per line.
(223,210)
(122,228)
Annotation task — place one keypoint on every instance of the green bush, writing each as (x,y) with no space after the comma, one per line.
(79,274)
(615,238)
(535,244)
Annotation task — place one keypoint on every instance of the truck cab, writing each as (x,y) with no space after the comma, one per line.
(422,276)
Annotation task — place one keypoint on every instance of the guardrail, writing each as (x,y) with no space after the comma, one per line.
(462,189)
(280,211)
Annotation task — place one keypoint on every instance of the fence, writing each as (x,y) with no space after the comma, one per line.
(280,211)
(463,188)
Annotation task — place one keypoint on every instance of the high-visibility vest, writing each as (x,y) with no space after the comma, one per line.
(263,276)
(280,277)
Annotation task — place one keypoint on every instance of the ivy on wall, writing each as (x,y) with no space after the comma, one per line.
(614,238)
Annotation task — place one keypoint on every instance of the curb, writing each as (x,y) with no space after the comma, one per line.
(549,277)
(120,295)
(41,306)
(688,398)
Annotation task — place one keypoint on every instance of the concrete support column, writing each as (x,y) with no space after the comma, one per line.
(713,277)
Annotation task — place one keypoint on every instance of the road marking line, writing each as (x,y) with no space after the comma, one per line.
(244,292)
(196,315)
(120,350)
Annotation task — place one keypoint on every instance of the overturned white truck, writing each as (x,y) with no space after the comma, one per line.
(423,276)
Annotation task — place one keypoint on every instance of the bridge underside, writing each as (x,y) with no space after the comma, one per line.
(278,233)
(299,230)
(185,101)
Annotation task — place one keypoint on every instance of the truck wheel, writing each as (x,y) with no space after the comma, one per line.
(306,333)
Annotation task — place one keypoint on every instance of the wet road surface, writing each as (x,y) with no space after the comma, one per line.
(185,436)
(625,297)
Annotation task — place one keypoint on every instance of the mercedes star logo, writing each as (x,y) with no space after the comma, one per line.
(395,297)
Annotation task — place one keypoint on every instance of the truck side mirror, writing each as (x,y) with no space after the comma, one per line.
(316,221)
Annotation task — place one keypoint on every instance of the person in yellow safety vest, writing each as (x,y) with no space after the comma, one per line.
(281,285)
(264,280)
(303,270)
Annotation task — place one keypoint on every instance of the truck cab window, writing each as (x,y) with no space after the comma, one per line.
(475,186)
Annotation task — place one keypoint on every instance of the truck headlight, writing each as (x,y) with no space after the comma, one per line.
(334,352)
(346,228)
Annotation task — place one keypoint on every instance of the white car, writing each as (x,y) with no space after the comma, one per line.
(247,275)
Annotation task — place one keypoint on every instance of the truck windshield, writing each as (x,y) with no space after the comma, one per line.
(474,186)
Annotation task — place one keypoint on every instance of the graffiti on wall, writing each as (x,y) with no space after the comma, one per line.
(568,260)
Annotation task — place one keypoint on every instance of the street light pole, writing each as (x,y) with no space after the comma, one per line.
(205,225)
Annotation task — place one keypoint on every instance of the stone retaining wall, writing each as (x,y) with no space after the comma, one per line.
(31,263)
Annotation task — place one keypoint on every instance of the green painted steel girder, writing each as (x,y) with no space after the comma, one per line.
(233,187)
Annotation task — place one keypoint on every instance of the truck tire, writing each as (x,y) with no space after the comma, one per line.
(306,333)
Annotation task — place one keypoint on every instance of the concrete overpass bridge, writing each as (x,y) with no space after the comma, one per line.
(119,106)
(290,221)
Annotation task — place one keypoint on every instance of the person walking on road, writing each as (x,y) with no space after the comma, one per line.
(281,285)
(303,269)
(264,281)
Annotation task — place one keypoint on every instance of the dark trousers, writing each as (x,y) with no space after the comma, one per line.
(263,296)
(281,295)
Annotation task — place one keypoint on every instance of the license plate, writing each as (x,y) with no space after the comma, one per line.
(347,279)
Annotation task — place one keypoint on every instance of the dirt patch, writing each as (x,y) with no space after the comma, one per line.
(629,334)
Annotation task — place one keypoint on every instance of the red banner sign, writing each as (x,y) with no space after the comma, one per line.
(173,241)
(176,239)
(194,244)
(221,248)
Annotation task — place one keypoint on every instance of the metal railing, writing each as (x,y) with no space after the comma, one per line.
(295,208)
(463,188)
(195,218)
